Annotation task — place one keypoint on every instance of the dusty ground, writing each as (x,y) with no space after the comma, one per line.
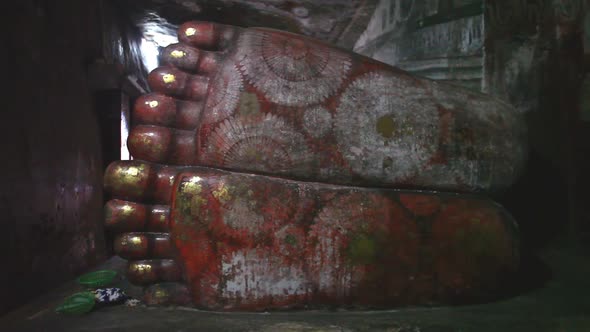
(562,304)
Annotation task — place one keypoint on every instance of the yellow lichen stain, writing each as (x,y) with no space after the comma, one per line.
(196,202)
(192,186)
(386,126)
(177,54)
(153,103)
(168,78)
(362,249)
(193,189)
(190,31)
(222,193)
(249,105)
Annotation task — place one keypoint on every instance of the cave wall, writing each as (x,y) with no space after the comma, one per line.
(583,139)
(51,168)
(439,39)
(534,60)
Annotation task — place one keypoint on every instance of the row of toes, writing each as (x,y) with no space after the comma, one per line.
(142,229)
(167,117)
(164,121)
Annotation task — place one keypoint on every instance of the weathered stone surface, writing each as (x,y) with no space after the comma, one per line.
(281,104)
(556,306)
(252,242)
(278,104)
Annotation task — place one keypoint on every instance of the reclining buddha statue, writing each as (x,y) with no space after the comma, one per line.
(275,171)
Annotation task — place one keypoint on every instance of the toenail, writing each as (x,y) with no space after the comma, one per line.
(168,78)
(190,32)
(177,54)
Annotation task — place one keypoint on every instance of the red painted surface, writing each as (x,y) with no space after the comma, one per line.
(280,104)
(143,245)
(290,95)
(254,243)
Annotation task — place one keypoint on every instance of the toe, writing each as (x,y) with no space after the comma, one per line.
(151,143)
(477,245)
(207,35)
(161,110)
(143,245)
(151,271)
(140,181)
(172,81)
(162,145)
(191,59)
(125,216)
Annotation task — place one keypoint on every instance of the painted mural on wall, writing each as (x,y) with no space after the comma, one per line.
(396,18)
(441,40)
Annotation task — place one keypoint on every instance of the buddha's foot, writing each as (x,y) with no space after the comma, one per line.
(231,241)
(269,102)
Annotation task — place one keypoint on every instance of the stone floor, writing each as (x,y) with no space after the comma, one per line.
(561,304)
